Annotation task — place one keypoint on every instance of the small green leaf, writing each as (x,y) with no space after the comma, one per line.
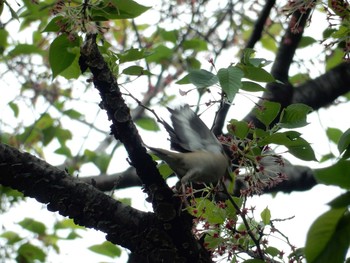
(202,78)
(267,112)
(170,36)
(184,80)
(62,135)
(117,9)
(136,71)
(334,134)
(160,54)
(322,235)
(195,44)
(341,201)
(14,108)
(344,142)
(334,59)
(64,150)
(291,139)
(238,128)
(67,224)
(61,55)
(11,237)
(253,260)
(132,55)
(102,162)
(30,253)
(272,251)
(230,81)
(165,170)
(337,174)
(107,249)
(266,216)
(52,26)
(212,241)
(257,74)
(33,226)
(251,86)
(148,124)
(306,41)
(301,149)
(73,71)
(25,49)
(294,116)
(73,114)
(247,54)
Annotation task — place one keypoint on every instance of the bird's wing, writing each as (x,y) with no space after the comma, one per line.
(190,133)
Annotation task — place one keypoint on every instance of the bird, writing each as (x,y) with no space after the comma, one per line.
(198,156)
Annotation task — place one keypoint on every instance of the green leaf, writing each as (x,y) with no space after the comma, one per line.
(33,226)
(170,36)
(73,114)
(184,80)
(294,116)
(257,74)
(267,112)
(344,142)
(61,55)
(193,63)
(306,41)
(253,260)
(247,54)
(291,139)
(63,135)
(30,253)
(208,210)
(299,78)
(272,251)
(337,174)
(334,59)
(301,149)
(25,49)
(3,39)
(212,241)
(202,78)
(148,124)
(341,201)
(11,237)
(160,54)
(102,162)
(238,128)
(132,55)
(14,108)
(230,81)
(266,216)
(328,238)
(136,71)
(334,134)
(195,44)
(52,26)
(73,71)
(251,86)
(165,170)
(116,9)
(64,150)
(107,249)
(268,42)
(67,224)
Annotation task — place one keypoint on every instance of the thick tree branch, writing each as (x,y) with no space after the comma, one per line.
(70,196)
(166,206)
(322,91)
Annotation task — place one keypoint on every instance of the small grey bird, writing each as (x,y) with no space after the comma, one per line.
(200,157)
